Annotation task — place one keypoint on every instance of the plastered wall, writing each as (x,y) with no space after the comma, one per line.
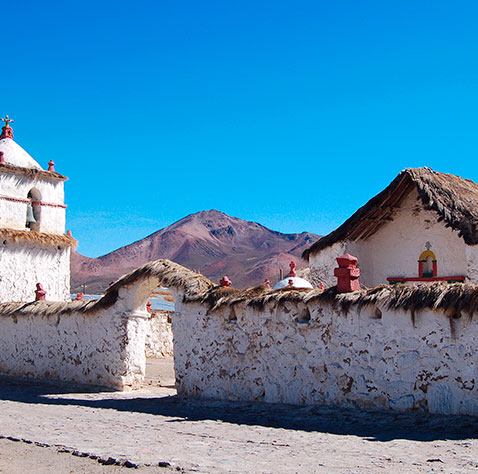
(394,250)
(376,359)
(105,347)
(24,265)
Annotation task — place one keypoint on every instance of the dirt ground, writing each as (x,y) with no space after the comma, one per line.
(55,427)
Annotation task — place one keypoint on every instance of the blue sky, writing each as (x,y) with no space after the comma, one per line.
(291,114)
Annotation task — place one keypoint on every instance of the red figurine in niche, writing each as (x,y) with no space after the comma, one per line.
(40,293)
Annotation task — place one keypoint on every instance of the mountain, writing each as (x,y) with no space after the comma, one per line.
(209,241)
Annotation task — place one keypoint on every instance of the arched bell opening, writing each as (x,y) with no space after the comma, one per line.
(33,216)
(427,265)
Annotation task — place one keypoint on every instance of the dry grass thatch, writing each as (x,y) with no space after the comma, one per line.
(452,299)
(169,274)
(32,173)
(454,199)
(37,238)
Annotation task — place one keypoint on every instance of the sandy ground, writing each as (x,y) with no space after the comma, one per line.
(66,428)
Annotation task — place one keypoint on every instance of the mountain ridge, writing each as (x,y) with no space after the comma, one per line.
(211,242)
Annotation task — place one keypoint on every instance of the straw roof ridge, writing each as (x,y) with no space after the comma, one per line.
(453,198)
(32,173)
(38,238)
(452,299)
(193,285)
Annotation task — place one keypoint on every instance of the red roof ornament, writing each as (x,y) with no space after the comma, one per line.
(40,293)
(51,165)
(267,283)
(225,282)
(7,131)
(292,272)
(291,282)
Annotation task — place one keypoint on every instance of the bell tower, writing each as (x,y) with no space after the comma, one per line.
(33,245)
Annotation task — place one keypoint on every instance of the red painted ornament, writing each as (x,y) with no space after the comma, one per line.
(51,165)
(40,293)
(347,274)
(292,272)
(225,282)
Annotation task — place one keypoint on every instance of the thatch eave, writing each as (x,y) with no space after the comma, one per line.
(454,199)
(32,173)
(37,238)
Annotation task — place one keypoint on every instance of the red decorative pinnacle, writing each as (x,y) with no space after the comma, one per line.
(51,165)
(225,282)
(40,293)
(148,306)
(7,131)
(2,158)
(292,272)
(79,297)
(267,283)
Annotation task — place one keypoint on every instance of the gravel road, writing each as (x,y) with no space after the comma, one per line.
(154,425)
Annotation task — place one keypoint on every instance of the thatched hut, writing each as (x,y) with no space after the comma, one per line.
(421,228)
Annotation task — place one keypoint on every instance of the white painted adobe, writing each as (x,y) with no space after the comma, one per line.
(23,265)
(297,282)
(311,354)
(14,191)
(14,154)
(394,250)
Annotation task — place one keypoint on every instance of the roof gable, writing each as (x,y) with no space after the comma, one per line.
(454,199)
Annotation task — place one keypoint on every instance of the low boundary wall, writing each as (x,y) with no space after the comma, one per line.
(314,353)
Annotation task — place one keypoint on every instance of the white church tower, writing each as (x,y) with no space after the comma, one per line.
(33,245)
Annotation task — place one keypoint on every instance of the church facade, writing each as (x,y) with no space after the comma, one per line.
(33,245)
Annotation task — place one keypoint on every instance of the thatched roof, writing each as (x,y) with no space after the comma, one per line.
(454,199)
(32,173)
(452,299)
(170,274)
(37,238)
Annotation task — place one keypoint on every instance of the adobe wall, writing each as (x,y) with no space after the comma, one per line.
(159,335)
(14,208)
(376,359)
(24,265)
(394,250)
(104,347)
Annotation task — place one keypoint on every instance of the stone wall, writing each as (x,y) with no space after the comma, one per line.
(159,335)
(300,354)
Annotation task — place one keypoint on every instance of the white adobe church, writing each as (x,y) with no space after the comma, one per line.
(422,228)
(33,245)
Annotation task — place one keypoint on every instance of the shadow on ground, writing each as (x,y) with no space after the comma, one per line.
(372,425)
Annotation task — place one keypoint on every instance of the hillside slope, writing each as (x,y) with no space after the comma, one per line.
(209,241)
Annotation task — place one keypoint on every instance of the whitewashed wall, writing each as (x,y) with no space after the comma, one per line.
(102,348)
(395,248)
(350,359)
(13,214)
(23,265)
(159,335)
